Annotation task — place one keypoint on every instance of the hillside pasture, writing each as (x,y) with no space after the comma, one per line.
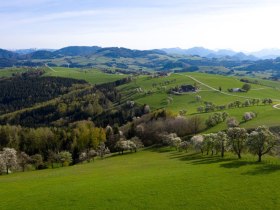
(92,76)
(8,72)
(151,179)
(155,93)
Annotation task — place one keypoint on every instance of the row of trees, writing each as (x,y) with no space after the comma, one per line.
(259,142)
(211,107)
(219,117)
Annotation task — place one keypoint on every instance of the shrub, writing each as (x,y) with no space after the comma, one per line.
(197,142)
(246,87)
(124,145)
(232,122)
(249,116)
(184,145)
(216,118)
(65,158)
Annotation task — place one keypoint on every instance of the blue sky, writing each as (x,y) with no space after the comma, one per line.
(246,25)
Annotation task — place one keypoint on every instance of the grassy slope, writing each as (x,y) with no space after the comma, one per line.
(266,114)
(158,99)
(8,72)
(147,180)
(92,76)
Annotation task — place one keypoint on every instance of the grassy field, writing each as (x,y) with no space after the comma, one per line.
(158,96)
(155,92)
(92,76)
(8,72)
(151,179)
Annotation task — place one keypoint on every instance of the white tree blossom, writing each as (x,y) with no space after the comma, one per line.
(9,158)
(197,142)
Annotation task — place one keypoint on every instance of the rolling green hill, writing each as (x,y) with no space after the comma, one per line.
(155,93)
(92,76)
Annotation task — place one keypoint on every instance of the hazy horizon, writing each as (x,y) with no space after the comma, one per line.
(246,26)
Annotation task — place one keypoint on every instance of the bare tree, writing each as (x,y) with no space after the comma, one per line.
(195,124)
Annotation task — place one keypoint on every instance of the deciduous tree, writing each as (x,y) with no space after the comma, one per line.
(9,158)
(237,139)
(261,141)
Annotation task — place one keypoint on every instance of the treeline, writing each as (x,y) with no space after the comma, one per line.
(49,147)
(260,141)
(211,107)
(27,89)
(78,137)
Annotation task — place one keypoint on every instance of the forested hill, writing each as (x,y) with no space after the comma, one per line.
(24,91)
(32,101)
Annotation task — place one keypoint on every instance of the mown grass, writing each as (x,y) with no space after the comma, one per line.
(151,179)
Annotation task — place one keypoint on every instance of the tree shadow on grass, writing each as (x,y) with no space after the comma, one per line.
(198,158)
(118,154)
(237,164)
(226,162)
(162,149)
(263,169)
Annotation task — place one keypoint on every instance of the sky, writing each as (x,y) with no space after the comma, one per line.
(240,25)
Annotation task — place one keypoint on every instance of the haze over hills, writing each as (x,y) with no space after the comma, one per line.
(124,59)
(204,52)
(200,51)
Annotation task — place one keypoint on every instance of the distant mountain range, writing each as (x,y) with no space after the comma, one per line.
(114,52)
(173,59)
(203,52)
(85,50)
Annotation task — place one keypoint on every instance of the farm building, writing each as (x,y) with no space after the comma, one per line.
(183,89)
(235,90)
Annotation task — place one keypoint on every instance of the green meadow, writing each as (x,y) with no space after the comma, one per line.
(8,72)
(92,76)
(150,179)
(155,94)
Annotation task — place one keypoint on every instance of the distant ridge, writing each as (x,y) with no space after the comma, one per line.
(203,52)
(34,53)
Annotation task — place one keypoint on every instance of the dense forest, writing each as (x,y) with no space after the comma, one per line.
(77,101)
(27,89)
